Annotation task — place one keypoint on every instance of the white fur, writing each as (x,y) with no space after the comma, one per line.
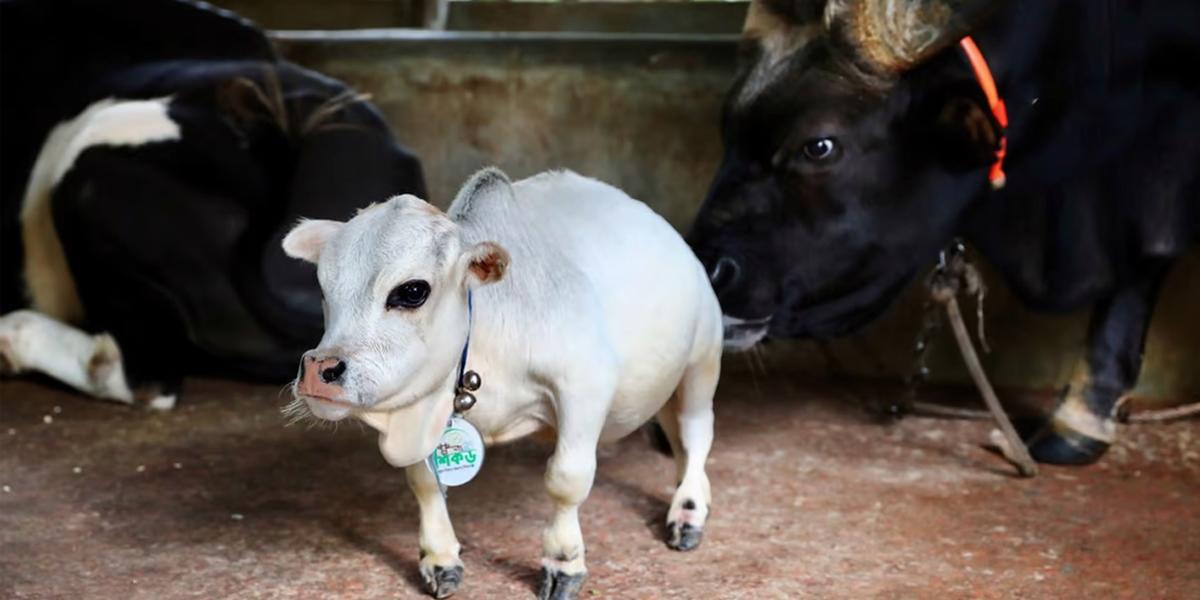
(163,402)
(603,316)
(104,123)
(1073,413)
(31,341)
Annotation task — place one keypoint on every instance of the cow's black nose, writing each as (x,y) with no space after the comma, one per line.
(724,273)
(334,373)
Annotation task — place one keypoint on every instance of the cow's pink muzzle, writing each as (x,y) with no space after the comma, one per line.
(321,378)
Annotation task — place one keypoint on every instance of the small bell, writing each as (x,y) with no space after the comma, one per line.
(463,401)
(471,381)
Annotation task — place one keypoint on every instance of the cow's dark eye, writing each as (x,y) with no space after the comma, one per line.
(820,149)
(410,294)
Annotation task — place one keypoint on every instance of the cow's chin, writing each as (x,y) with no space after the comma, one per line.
(744,334)
(328,410)
(837,317)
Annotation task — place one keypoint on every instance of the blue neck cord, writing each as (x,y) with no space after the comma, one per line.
(462,361)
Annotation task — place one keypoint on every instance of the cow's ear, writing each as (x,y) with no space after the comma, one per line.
(968,135)
(306,240)
(487,185)
(486,263)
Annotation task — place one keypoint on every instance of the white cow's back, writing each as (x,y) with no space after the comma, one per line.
(596,276)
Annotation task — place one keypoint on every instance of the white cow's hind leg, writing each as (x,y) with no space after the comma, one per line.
(440,566)
(31,341)
(687,420)
(569,476)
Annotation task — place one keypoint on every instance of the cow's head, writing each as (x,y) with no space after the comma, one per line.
(395,281)
(846,165)
(324,151)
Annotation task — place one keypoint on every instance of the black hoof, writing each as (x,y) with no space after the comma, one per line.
(683,537)
(442,582)
(1065,447)
(557,585)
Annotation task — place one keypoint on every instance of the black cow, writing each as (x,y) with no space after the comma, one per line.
(154,154)
(859,143)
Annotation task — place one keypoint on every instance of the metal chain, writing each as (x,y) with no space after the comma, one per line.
(952,272)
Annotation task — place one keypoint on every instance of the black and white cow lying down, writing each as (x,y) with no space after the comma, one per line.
(155,152)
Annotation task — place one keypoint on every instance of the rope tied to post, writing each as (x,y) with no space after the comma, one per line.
(955,275)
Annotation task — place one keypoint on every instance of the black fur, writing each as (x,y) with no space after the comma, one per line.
(1102,190)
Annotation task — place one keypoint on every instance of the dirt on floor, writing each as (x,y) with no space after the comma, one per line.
(813,498)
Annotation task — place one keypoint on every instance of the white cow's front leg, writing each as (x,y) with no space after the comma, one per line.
(32,341)
(440,565)
(569,477)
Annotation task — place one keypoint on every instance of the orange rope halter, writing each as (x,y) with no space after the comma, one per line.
(983,74)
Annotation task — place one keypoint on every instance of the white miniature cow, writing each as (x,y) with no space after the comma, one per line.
(604,320)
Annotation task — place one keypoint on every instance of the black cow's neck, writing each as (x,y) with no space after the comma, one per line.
(1069,103)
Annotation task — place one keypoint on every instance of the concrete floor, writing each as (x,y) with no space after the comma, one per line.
(813,499)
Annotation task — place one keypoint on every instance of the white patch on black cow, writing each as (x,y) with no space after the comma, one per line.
(105,123)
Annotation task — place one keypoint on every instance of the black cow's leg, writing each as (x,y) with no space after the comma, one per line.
(155,368)
(1084,425)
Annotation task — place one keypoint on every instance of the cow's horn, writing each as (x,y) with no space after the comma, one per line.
(896,35)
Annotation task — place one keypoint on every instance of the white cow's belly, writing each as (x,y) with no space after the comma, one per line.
(631,409)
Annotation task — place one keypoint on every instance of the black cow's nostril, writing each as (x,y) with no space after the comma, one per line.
(333,373)
(724,273)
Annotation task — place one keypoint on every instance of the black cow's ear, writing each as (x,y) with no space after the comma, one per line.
(967,134)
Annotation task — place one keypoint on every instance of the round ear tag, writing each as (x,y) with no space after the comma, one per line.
(459,453)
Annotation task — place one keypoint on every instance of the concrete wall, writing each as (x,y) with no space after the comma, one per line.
(641,112)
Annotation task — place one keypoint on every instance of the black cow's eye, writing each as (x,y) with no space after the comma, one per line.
(820,149)
(410,294)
